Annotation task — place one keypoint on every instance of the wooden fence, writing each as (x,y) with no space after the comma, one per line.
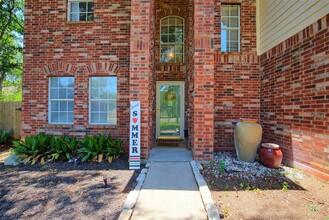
(10,117)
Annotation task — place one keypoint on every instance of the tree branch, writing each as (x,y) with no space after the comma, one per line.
(11,7)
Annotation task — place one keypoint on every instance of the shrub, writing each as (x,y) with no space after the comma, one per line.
(63,147)
(100,147)
(46,148)
(34,148)
(6,136)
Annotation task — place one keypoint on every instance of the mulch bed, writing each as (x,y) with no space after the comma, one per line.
(251,191)
(63,190)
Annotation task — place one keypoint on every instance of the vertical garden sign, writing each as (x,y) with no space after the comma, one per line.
(135,136)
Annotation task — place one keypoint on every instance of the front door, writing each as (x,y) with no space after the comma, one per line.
(170,109)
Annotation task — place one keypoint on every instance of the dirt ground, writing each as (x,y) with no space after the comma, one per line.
(63,190)
(268,193)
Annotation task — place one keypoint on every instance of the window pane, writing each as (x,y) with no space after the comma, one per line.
(65,81)
(224,10)
(62,93)
(103,107)
(179,34)
(63,117)
(74,6)
(82,6)
(179,58)
(83,17)
(171,30)
(94,106)
(234,46)
(90,16)
(165,22)
(234,35)
(234,22)
(164,30)
(54,106)
(178,48)
(224,22)
(103,118)
(63,106)
(179,22)
(94,82)
(164,38)
(70,93)
(90,6)
(54,117)
(94,93)
(224,38)
(172,21)
(54,82)
(74,17)
(70,117)
(234,10)
(172,38)
(54,93)
(94,118)
(70,106)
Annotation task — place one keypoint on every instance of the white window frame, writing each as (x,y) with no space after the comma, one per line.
(90,101)
(171,43)
(69,9)
(50,100)
(231,28)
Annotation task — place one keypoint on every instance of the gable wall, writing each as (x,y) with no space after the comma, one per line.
(56,47)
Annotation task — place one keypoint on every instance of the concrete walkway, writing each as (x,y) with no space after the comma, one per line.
(170,190)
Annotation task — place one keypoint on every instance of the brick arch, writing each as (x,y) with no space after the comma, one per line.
(102,68)
(60,67)
(171,11)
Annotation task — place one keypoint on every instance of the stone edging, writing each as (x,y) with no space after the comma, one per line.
(132,197)
(205,192)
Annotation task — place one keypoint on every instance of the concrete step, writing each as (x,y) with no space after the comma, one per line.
(170,142)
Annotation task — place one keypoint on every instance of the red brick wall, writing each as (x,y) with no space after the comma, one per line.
(295,98)
(56,47)
(203,80)
(237,77)
(142,68)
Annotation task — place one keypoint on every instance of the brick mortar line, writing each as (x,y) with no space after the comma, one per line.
(208,203)
(133,195)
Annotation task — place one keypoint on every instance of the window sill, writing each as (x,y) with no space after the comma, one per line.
(231,53)
(80,22)
(171,64)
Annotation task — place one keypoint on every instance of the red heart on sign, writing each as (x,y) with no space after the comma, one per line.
(135,120)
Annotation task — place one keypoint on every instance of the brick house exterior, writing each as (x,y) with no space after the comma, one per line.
(285,87)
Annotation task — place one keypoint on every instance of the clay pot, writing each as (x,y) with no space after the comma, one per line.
(270,155)
(247,137)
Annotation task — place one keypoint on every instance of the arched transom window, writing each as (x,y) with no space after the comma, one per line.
(171,40)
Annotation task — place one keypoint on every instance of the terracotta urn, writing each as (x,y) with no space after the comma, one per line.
(247,137)
(270,155)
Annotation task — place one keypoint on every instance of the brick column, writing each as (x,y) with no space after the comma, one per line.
(203,96)
(141,67)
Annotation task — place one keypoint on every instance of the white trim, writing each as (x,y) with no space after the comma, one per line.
(182,104)
(175,43)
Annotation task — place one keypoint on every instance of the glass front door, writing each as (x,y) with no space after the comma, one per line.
(170,109)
